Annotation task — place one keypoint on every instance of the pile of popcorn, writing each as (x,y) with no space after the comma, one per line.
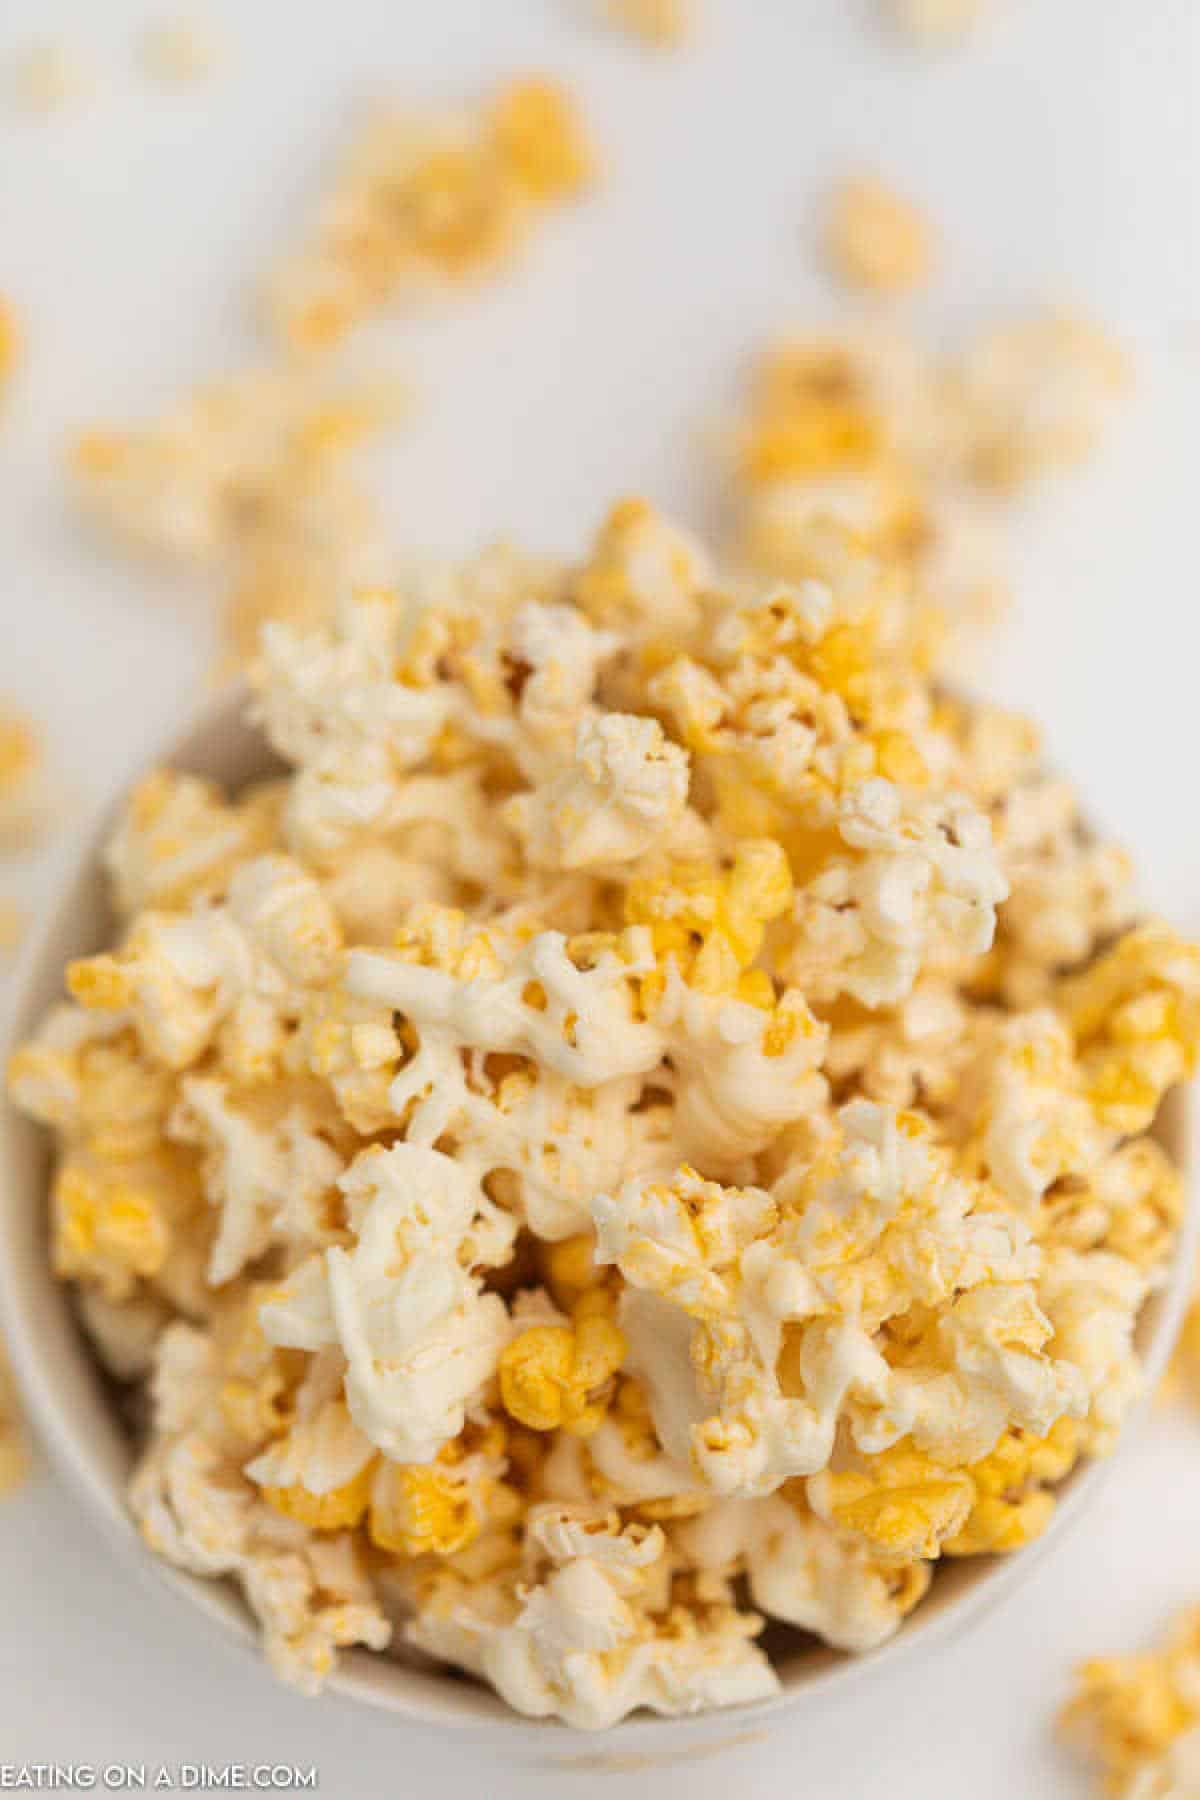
(643,1130)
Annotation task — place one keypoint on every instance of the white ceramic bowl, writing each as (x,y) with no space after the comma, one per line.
(75,1419)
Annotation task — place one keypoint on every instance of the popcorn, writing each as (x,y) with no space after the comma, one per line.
(10,342)
(621,794)
(585,1637)
(784,1344)
(1138,1716)
(910,450)
(426,199)
(419,1336)
(924,888)
(661,24)
(802,1571)
(49,76)
(876,239)
(556,1375)
(934,22)
(180,50)
(178,840)
(247,478)
(24,793)
(652,1104)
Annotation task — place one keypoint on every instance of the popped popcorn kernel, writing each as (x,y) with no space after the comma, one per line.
(901,1504)
(10,341)
(181,50)
(1137,1716)
(555,1375)
(930,23)
(540,140)
(338,1510)
(25,804)
(662,24)
(876,239)
(47,77)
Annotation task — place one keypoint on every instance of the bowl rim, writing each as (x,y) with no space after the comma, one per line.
(217,735)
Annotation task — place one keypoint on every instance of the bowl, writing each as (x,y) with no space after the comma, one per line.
(72,1411)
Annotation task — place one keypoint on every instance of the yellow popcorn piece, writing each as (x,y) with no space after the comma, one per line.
(661,24)
(931,24)
(111,1220)
(1130,1714)
(340,1509)
(876,239)
(182,50)
(559,1375)
(719,918)
(426,1512)
(1135,1015)
(901,1503)
(49,76)
(540,140)
(10,341)
(1013,1502)
(24,802)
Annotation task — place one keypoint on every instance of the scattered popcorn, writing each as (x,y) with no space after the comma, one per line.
(932,22)
(1137,1717)
(663,24)
(915,451)
(10,342)
(876,239)
(25,801)
(48,77)
(248,480)
(177,51)
(647,1116)
(430,199)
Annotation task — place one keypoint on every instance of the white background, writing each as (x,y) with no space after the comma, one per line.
(1057,151)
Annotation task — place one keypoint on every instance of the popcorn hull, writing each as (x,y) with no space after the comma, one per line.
(74,1413)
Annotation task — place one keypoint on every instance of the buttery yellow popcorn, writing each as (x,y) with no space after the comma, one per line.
(1137,1717)
(653,1104)
(876,239)
(663,24)
(558,1375)
(10,341)
(934,22)
(911,450)
(24,798)
(247,478)
(437,197)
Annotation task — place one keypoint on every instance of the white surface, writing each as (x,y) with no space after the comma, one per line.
(1058,151)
